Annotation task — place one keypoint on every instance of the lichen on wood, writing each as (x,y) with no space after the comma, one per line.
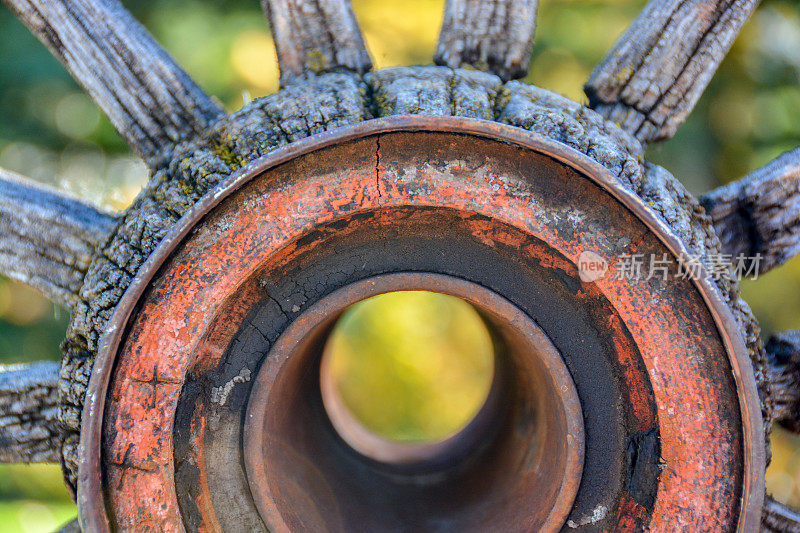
(316,36)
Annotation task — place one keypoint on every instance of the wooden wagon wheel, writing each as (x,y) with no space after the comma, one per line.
(188,395)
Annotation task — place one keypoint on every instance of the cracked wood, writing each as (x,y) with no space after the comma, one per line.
(149,99)
(47,238)
(653,76)
(29,428)
(316,36)
(779,518)
(760,214)
(783,353)
(493,35)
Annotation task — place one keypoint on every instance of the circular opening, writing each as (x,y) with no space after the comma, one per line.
(516,463)
(405,371)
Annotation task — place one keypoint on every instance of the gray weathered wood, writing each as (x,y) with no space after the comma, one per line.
(779,518)
(315,36)
(653,76)
(47,238)
(490,35)
(149,99)
(29,427)
(783,353)
(760,214)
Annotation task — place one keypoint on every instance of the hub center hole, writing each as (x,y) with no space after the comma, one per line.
(405,371)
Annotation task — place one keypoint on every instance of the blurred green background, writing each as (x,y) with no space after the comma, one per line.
(420,380)
(51,131)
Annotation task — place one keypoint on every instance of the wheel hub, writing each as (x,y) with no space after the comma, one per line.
(213,357)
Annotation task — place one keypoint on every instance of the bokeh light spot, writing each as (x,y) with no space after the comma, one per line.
(22,306)
(77,115)
(254,60)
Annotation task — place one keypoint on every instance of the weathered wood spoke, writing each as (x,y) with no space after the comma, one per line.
(783,351)
(779,518)
(653,76)
(149,99)
(760,214)
(29,429)
(491,35)
(314,36)
(47,238)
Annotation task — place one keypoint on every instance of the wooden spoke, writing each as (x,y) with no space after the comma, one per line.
(491,35)
(29,430)
(47,238)
(653,76)
(313,36)
(760,214)
(149,99)
(779,518)
(783,351)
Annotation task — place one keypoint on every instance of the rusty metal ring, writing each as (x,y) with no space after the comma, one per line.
(555,439)
(91,502)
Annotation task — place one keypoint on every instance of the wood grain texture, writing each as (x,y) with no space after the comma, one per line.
(490,35)
(783,353)
(316,36)
(149,99)
(29,428)
(48,238)
(655,73)
(760,214)
(434,91)
(779,518)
